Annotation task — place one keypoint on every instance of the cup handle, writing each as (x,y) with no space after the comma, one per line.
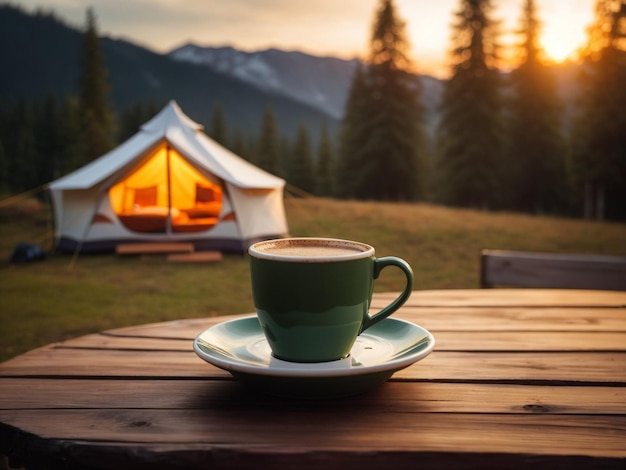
(379,265)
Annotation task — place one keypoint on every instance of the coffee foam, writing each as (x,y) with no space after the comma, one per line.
(311,249)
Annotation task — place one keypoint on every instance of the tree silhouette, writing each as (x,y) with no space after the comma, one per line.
(351,180)
(535,161)
(599,139)
(325,164)
(47,127)
(98,120)
(301,173)
(268,156)
(382,131)
(470,134)
(238,146)
(218,130)
(133,117)
(72,155)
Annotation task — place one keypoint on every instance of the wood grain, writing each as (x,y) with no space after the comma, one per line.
(350,429)
(447,340)
(393,396)
(529,367)
(511,298)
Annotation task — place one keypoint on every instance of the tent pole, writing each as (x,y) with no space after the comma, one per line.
(168,226)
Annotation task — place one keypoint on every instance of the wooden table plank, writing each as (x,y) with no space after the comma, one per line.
(101,363)
(393,396)
(525,367)
(516,318)
(510,298)
(446,340)
(529,341)
(438,319)
(435,319)
(125,343)
(549,367)
(351,429)
(177,329)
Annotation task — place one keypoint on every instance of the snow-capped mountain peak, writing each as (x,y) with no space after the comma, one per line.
(321,82)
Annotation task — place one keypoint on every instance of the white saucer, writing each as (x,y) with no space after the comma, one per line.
(239,346)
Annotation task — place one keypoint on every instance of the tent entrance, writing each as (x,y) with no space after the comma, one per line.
(166,194)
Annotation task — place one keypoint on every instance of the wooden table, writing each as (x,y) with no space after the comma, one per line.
(517,378)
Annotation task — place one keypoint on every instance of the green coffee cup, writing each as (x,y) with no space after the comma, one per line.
(312,295)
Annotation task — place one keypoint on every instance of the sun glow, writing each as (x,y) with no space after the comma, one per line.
(562,44)
(564,34)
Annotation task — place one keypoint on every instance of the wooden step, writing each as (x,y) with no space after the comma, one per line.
(153,248)
(196,257)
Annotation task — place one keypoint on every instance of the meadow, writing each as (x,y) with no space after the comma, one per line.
(63,296)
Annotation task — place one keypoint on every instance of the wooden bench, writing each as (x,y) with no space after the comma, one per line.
(551,270)
(153,248)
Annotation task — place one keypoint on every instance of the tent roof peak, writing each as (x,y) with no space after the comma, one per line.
(186,137)
(170,116)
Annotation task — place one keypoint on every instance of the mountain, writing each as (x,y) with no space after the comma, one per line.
(40,55)
(321,82)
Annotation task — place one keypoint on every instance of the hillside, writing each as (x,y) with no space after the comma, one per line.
(40,55)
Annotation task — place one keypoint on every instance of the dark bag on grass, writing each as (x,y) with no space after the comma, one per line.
(26,253)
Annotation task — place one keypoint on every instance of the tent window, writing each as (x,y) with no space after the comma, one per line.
(166,188)
(145,196)
(205,194)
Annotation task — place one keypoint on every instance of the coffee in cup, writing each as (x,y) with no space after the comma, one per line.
(312,295)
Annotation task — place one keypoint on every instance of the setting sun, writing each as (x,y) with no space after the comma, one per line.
(564,34)
(561,44)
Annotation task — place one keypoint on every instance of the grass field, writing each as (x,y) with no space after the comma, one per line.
(62,297)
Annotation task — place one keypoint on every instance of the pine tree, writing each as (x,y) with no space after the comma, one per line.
(4,174)
(351,181)
(48,130)
(218,130)
(599,138)
(133,117)
(535,163)
(284,155)
(20,147)
(267,152)
(4,160)
(470,133)
(24,171)
(301,172)
(382,133)
(72,155)
(238,146)
(97,116)
(325,164)
(251,145)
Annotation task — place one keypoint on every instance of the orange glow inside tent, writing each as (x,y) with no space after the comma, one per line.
(166,193)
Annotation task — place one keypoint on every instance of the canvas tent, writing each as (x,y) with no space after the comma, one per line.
(169,182)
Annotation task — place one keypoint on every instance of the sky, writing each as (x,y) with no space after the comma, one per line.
(339,28)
